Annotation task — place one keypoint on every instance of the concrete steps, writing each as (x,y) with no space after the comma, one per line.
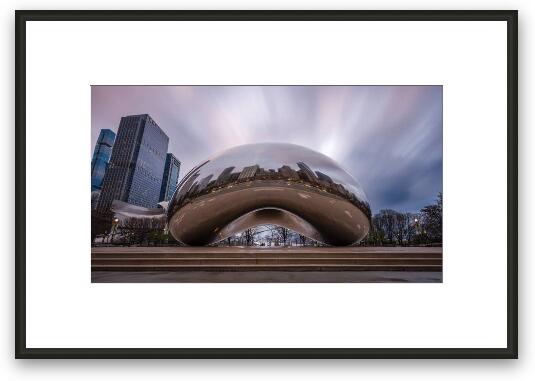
(253,259)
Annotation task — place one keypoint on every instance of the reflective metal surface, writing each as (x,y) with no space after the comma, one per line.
(126,210)
(269,183)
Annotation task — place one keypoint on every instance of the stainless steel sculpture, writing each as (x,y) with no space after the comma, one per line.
(125,210)
(269,183)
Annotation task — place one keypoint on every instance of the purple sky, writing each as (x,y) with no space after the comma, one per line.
(388,137)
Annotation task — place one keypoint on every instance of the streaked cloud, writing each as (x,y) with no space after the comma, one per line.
(388,137)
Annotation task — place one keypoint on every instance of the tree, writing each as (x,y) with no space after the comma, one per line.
(376,235)
(284,234)
(384,222)
(249,236)
(143,230)
(100,223)
(400,227)
(392,227)
(432,221)
(411,221)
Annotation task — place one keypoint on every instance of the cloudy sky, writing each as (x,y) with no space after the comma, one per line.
(388,137)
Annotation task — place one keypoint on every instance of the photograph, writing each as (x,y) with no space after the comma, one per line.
(266,184)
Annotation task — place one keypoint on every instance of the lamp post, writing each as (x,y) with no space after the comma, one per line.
(114,224)
(418,227)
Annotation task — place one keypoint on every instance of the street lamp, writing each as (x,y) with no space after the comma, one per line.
(114,224)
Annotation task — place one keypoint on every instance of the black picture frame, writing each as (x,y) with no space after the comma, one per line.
(510,16)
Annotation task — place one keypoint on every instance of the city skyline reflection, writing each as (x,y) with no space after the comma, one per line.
(314,187)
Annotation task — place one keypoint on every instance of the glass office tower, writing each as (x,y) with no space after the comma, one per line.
(101,157)
(136,167)
(170,177)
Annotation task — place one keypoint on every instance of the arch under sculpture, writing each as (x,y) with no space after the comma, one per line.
(269,183)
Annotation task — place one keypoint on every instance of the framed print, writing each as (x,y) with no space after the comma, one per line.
(266,184)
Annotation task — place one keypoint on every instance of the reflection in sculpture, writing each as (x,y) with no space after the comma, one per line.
(269,183)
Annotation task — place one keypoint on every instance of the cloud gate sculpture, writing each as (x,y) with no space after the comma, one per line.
(269,183)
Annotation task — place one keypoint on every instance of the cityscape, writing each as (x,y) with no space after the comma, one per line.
(141,173)
(281,210)
(133,167)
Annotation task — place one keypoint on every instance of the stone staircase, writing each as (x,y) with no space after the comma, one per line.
(266,259)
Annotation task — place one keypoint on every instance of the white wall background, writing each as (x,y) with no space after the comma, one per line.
(269,369)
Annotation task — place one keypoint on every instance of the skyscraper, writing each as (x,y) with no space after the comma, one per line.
(101,157)
(224,176)
(288,173)
(170,177)
(135,170)
(248,172)
(94,198)
(307,173)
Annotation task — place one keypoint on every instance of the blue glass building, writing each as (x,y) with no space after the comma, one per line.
(101,157)
(170,177)
(135,170)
